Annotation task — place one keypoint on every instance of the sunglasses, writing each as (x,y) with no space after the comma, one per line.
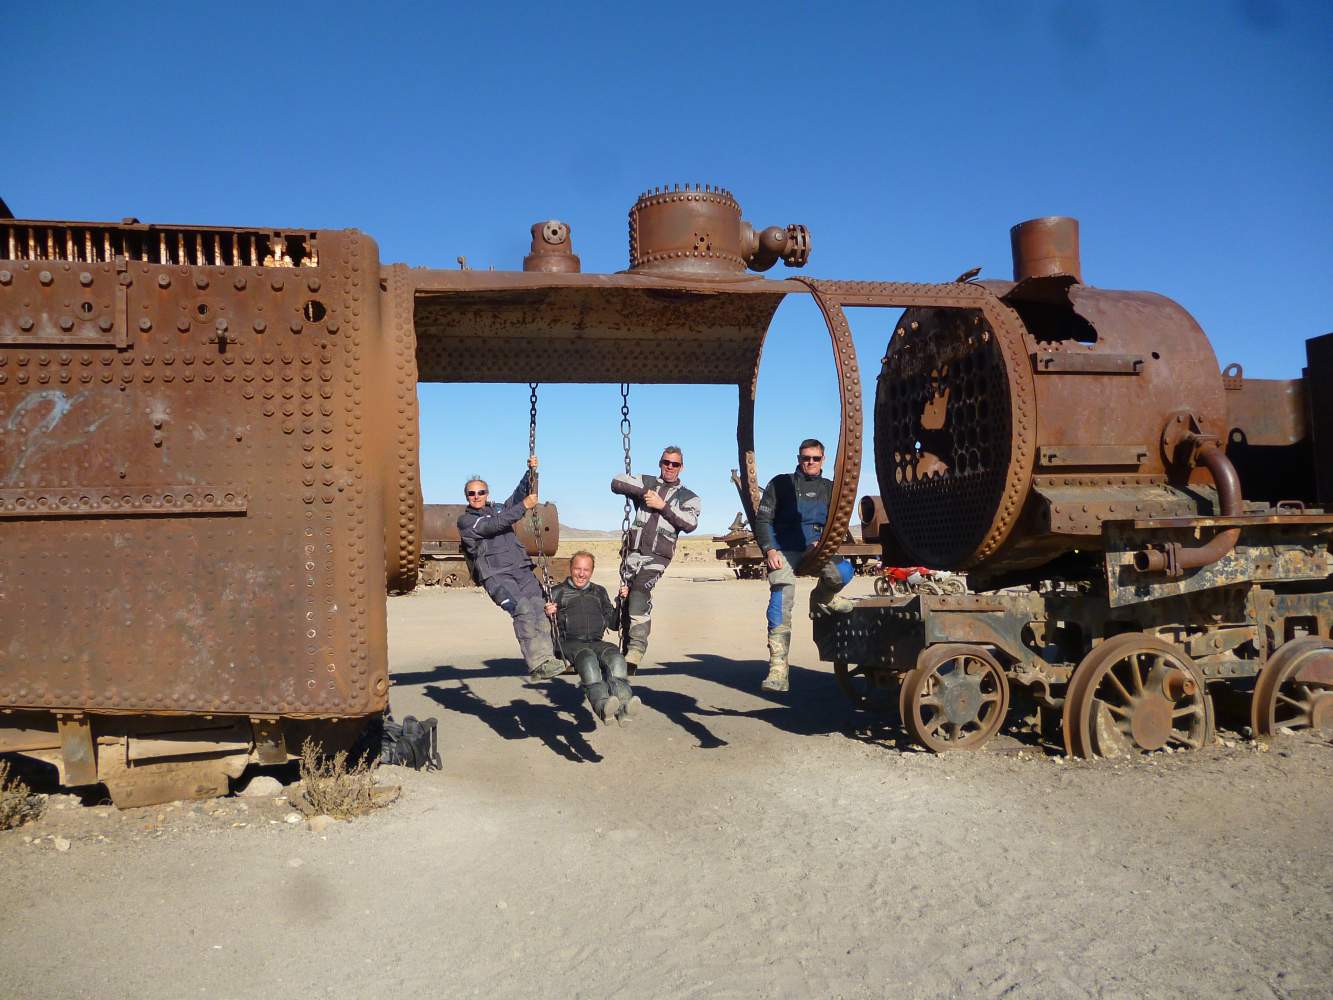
(477,493)
(810,458)
(670,464)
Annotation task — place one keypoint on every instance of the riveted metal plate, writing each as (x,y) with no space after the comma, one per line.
(119,501)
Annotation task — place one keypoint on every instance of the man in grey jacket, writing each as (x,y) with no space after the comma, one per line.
(664,509)
(503,567)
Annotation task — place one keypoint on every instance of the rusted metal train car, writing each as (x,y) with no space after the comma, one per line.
(444,564)
(209,482)
(1149,534)
(208,457)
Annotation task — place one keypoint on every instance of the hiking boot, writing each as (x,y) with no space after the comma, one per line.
(547,669)
(779,639)
(629,709)
(835,605)
(632,660)
(608,709)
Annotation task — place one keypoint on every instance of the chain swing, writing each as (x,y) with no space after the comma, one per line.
(622,605)
(535,515)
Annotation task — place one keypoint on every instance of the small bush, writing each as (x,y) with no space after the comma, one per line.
(17,803)
(331,788)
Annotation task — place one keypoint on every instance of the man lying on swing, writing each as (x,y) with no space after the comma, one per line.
(583,612)
(503,567)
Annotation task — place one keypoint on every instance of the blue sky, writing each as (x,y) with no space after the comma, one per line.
(1192,140)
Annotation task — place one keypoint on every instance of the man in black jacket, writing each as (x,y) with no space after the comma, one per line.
(583,612)
(503,567)
(787,523)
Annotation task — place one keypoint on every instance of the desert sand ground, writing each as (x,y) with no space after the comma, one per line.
(728,844)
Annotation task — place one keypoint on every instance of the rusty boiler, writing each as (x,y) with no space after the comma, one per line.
(1141,530)
(207,480)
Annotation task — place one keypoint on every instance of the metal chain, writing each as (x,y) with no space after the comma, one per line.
(624,440)
(535,514)
(532,418)
(622,606)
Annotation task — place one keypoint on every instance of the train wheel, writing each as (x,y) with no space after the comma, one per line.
(955,699)
(1295,688)
(1134,694)
(863,685)
(881,586)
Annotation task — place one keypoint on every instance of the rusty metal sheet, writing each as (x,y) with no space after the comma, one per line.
(487,326)
(1081,507)
(124,501)
(252,399)
(1266,412)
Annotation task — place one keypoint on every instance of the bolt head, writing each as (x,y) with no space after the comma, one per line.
(201,281)
(85,279)
(145,324)
(45,277)
(164,281)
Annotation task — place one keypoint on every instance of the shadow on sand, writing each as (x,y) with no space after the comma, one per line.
(813,707)
(561,723)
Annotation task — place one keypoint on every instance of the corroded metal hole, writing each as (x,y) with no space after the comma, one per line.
(942,434)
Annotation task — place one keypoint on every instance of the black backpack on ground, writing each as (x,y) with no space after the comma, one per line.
(413,744)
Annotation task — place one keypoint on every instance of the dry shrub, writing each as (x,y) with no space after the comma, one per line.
(331,788)
(17,803)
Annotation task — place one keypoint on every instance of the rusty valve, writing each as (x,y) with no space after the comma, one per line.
(765,248)
(552,249)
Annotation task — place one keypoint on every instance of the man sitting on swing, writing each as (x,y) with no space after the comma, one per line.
(583,612)
(665,508)
(503,567)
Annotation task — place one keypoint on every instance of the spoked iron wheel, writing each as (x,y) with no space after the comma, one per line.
(1295,689)
(866,686)
(1134,694)
(955,699)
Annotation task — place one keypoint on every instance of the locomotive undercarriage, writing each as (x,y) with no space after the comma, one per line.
(1102,675)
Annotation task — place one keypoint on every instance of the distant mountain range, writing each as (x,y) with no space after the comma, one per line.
(567,532)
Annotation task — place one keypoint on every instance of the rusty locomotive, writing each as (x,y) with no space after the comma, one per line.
(222,424)
(1148,534)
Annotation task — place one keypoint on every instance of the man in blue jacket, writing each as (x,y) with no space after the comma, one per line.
(787,524)
(503,567)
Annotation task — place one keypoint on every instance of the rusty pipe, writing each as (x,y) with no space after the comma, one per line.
(1175,559)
